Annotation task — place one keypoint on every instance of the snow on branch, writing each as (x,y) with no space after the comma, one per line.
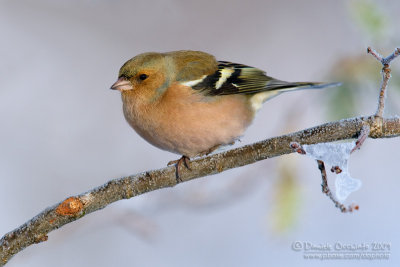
(336,155)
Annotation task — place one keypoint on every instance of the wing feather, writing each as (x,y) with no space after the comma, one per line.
(234,78)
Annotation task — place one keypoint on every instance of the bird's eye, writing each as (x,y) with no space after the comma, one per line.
(143,76)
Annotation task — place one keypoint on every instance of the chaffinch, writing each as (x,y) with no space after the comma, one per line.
(189,103)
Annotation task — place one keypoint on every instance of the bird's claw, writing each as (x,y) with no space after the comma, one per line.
(178,165)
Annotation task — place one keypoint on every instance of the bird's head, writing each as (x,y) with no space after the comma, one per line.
(147,76)
(144,73)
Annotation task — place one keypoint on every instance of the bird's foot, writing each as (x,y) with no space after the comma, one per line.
(184,160)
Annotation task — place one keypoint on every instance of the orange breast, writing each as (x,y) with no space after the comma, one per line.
(188,123)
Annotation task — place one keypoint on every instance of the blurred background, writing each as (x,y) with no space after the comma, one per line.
(62,131)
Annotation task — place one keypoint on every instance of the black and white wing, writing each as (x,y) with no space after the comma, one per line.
(233,78)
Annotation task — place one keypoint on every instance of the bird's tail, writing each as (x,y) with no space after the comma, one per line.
(276,87)
(283,86)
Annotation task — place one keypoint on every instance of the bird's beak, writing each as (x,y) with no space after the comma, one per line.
(122,84)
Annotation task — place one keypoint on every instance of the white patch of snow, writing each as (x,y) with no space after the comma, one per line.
(336,154)
(345,185)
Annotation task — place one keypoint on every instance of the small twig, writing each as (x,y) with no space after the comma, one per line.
(392,56)
(362,137)
(374,53)
(385,76)
(381,104)
(328,192)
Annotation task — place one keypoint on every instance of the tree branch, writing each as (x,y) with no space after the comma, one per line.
(36,230)
(73,208)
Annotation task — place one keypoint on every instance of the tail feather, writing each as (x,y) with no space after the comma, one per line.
(283,86)
(277,87)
